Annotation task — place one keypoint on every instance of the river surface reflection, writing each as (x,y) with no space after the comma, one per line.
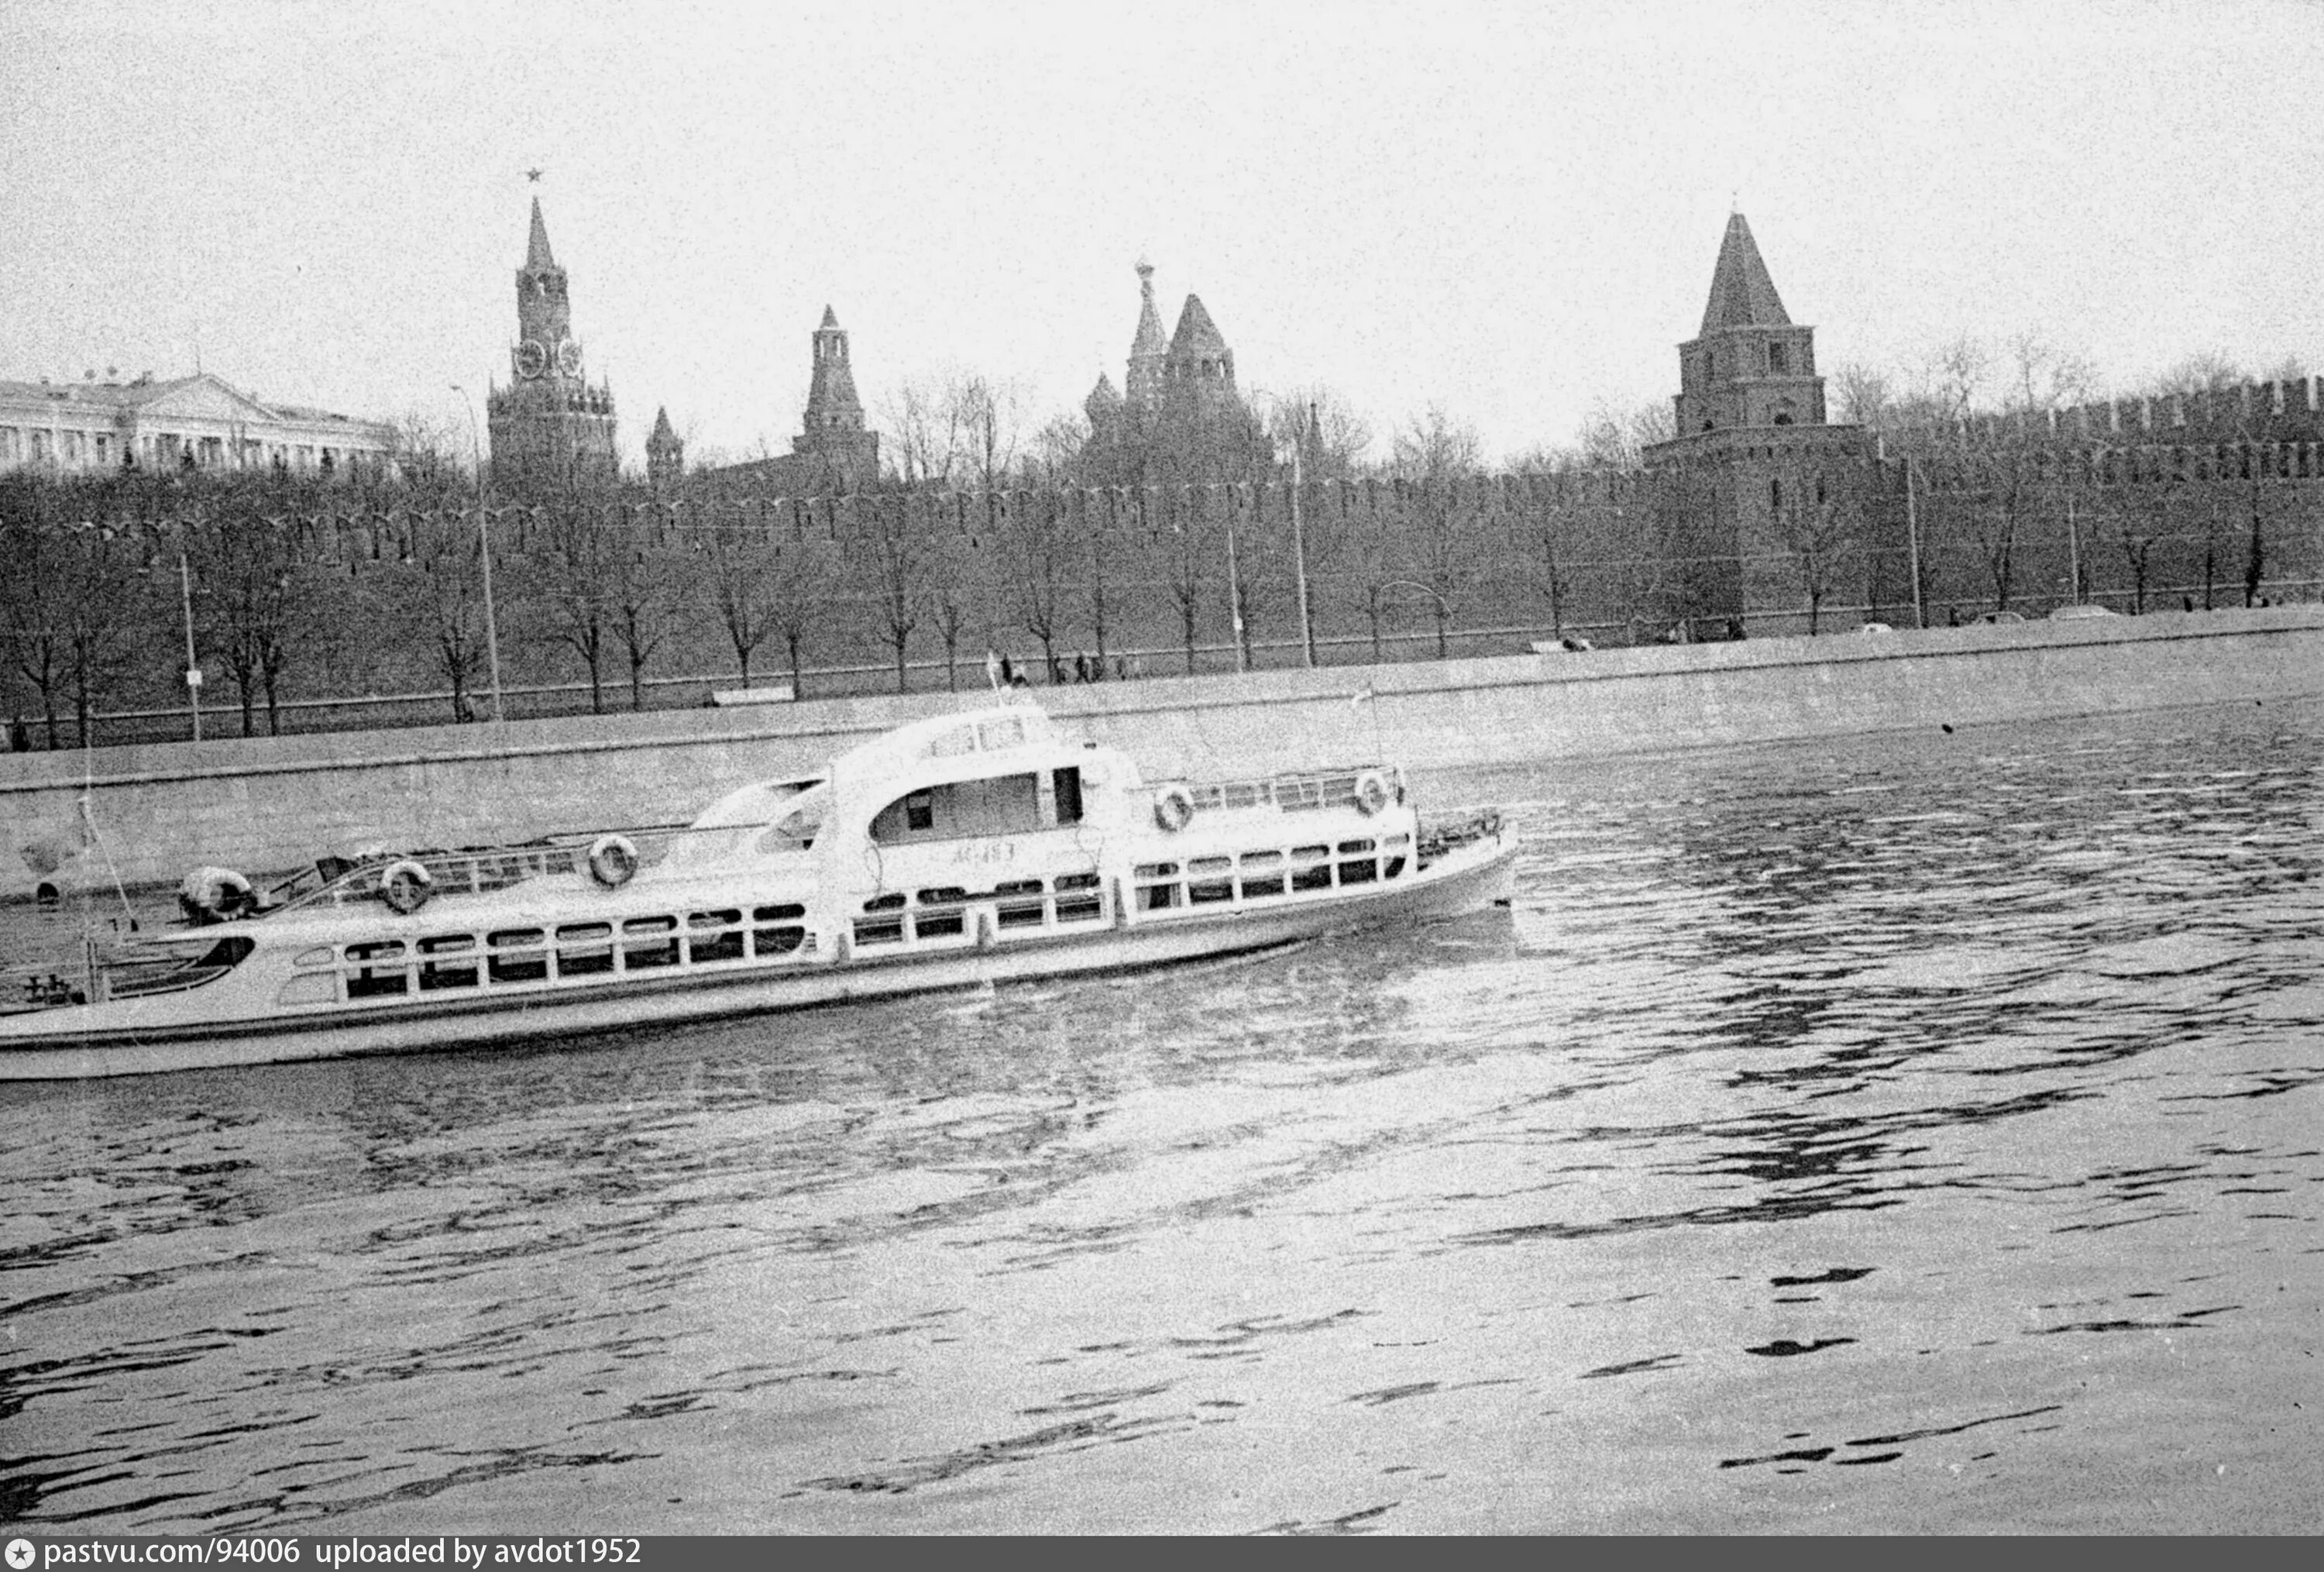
(1921,1133)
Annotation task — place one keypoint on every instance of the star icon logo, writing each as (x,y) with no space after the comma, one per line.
(20,1554)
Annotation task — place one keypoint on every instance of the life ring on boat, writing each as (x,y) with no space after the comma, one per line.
(405,886)
(214,895)
(612,860)
(1174,806)
(1372,792)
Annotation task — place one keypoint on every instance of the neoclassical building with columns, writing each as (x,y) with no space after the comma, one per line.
(201,422)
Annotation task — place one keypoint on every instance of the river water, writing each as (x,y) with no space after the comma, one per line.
(1924,1133)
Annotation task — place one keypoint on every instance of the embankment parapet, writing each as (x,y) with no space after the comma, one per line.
(270,803)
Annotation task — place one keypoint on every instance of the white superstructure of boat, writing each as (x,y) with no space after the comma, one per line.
(972,848)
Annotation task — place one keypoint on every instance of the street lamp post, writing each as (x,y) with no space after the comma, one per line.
(193,670)
(1234,588)
(484,550)
(1912,545)
(1301,427)
(1299,537)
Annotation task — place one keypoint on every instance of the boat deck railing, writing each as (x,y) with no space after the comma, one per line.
(467,870)
(114,965)
(1304,790)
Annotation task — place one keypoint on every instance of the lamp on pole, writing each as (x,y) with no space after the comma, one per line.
(1302,424)
(1912,531)
(193,670)
(1235,585)
(484,550)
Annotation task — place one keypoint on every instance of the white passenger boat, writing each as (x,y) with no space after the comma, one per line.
(968,849)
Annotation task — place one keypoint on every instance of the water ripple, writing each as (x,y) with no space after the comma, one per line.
(1904,1135)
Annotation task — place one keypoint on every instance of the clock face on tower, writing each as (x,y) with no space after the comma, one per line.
(531,359)
(568,358)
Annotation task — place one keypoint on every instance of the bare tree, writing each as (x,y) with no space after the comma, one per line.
(1616,437)
(988,415)
(1057,453)
(1100,539)
(1862,396)
(736,567)
(808,572)
(33,628)
(644,584)
(244,570)
(964,547)
(1183,540)
(1819,535)
(1036,552)
(2207,372)
(1435,453)
(438,566)
(573,582)
(924,441)
(1334,440)
(901,561)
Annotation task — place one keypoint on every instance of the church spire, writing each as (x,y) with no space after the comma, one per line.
(1742,295)
(1147,349)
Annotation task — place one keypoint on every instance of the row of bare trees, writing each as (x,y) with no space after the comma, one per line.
(987,538)
(1999,467)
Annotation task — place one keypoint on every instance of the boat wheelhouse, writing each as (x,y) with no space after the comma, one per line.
(953,852)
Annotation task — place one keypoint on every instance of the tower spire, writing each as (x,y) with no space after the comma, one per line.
(1147,349)
(1742,295)
(536,251)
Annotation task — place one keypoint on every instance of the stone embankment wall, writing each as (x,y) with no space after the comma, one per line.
(269,804)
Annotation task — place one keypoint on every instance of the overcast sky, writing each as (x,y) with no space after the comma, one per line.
(1508,209)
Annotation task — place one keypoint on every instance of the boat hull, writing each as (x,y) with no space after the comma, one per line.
(81,1046)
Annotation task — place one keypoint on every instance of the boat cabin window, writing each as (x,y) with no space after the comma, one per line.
(519,955)
(713,935)
(1078,899)
(448,962)
(1067,785)
(1207,881)
(1311,868)
(946,920)
(1158,885)
(379,969)
(1018,903)
(959,809)
(884,921)
(1359,864)
(778,930)
(1262,874)
(585,949)
(648,942)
